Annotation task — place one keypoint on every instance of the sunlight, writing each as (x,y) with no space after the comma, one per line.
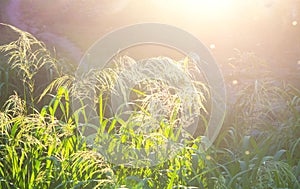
(207,7)
(149,94)
(213,5)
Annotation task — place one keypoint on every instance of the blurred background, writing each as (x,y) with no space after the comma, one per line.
(270,29)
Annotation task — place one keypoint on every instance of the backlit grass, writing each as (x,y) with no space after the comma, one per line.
(44,147)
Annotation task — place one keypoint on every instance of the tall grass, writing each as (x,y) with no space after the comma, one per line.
(39,151)
(27,66)
(46,148)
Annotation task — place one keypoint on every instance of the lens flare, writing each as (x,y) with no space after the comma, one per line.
(294,23)
(212,46)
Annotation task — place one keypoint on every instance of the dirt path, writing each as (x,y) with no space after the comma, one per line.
(14,17)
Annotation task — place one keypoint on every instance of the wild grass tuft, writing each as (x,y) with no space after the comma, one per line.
(28,68)
(46,148)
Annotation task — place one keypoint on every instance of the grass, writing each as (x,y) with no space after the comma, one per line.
(38,151)
(45,146)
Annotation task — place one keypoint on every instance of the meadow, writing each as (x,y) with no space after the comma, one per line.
(42,144)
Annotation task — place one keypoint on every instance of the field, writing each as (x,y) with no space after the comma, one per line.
(42,143)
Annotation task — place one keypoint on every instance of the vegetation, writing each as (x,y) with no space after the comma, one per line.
(43,145)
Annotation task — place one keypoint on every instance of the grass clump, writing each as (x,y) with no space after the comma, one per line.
(47,147)
(38,151)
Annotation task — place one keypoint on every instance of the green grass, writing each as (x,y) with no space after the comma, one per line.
(39,151)
(44,146)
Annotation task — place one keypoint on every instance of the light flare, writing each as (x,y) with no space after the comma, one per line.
(294,23)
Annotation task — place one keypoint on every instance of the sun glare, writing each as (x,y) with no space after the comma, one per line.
(207,7)
(211,4)
(214,4)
